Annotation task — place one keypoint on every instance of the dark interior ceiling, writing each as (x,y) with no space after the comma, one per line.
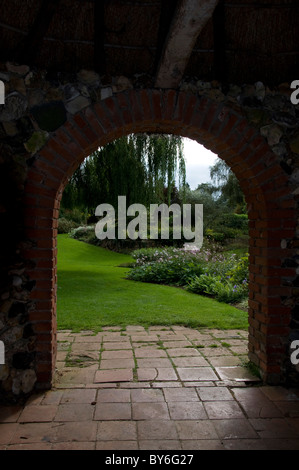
(243,41)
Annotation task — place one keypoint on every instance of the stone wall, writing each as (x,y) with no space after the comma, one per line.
(49,123)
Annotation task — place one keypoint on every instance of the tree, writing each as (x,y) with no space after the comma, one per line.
(141,167)
(228,186)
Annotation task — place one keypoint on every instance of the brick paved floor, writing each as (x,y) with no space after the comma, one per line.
(157,388)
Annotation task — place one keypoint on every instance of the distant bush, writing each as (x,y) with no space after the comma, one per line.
(207,271)
(84,233)
(65,225)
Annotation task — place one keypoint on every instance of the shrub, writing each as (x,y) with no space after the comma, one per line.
(223,291)
(65,225)
(83,233)
(239,273)
(167,265)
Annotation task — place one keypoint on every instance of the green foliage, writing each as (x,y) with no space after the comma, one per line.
(239,273)
(228,185)
(222,291)
(65,225)
(93,292)
(163,267)
(208,271)
(141,167)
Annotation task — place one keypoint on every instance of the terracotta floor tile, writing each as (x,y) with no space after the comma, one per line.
(33,446)
(34,432)
(154,362)
(117,364)
(214,352)
(82,347)
(181,394)
(197,361)
(114,375)
(78,396)
(116,431)
(81,431)
(38,414)
(7,432)
(182,352)
(146,395)
(196,373)
(113,396)
(52,397)
(10,414)
(74,446)
(156,430)
(149,352)
(149,411)
(202,444)
(147,374)
(117,445)
(280,393)
(74,412)
(112,411)
(186,410)
(117,345)
(278,428)
(196,429)
(236,373)
(159,445)
(235,429)
(223,410)
(119,354)
(166,374)
(214,394)
(174,344)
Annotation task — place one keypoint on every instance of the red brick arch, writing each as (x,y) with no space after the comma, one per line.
(222,130)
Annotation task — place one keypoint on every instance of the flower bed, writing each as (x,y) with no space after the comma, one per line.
(207,271)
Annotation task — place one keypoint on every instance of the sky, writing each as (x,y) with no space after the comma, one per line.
(198,162)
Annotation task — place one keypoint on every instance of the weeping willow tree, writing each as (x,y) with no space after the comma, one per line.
(142,167)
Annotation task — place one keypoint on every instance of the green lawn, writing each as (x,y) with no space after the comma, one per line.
(93,292)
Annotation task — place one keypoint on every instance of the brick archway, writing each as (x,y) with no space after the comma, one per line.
(224,131)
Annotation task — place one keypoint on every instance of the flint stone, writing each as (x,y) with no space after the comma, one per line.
(106,93)
(260,91)
(285,119)
(24,381)
(121,84)
(15,107)
(77,104)
(89,77)
(272,133)
(10,128)
(18,69)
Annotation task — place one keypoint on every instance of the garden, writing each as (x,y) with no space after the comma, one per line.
(144,281)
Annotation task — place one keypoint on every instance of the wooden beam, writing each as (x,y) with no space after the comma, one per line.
(168,9)
(190,18)
(32,42)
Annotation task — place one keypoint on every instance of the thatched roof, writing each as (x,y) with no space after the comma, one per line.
(242,41)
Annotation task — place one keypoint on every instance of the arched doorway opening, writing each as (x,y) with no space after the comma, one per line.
(220,129)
